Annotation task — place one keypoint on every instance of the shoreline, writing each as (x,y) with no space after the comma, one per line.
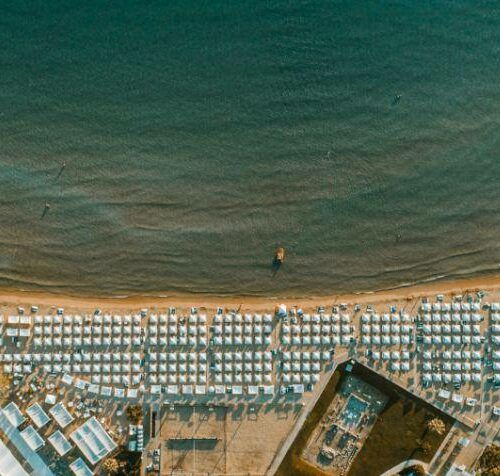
(9,297)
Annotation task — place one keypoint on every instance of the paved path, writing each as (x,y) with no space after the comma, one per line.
(280,455)
(14,436)
(446,446)
(405,464)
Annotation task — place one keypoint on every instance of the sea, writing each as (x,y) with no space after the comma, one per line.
(167,147)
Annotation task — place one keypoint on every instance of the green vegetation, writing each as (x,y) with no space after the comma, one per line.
(5,386)
(122,463)
(110,466)
(134,414)
(489,463)
(437,426)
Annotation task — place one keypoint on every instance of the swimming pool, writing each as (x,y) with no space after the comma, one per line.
(353,410)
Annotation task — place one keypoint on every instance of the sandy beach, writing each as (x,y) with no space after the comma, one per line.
(240,414)
(12,297)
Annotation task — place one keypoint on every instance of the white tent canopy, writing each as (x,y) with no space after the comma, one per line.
(79,468)
(92,440)
(9,466)
(60,443)
(32,438)
(38,415)
(13,414)
(61,415)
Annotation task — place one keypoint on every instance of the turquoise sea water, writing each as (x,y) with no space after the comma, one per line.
(198,136)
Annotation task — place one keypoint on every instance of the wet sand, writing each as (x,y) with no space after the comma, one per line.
(11,297)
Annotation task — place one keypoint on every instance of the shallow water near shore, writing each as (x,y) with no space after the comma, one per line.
(198,137)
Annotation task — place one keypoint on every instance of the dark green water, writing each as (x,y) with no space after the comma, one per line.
(198,136)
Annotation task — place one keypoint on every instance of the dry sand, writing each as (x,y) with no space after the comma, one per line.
(247,445)
(246,438)
(10,297)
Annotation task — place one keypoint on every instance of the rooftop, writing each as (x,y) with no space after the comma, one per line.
(93,440)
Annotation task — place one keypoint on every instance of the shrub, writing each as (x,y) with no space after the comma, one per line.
(134,414)
(489,463)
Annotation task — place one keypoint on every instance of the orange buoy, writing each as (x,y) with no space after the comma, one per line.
(279,257)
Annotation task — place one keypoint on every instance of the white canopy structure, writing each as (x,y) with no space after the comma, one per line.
(60,443)
(32,438)
(9,466)
(38,415)
(13,414)
(61,415)
(93,441)
(79,468)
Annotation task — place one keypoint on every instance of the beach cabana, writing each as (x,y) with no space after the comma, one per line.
(201,390)
(106,391)
(457,398)
(298,388)
(437,377)
(445,394)
(427,377)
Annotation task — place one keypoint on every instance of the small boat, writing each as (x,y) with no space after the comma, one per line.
(279,256)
